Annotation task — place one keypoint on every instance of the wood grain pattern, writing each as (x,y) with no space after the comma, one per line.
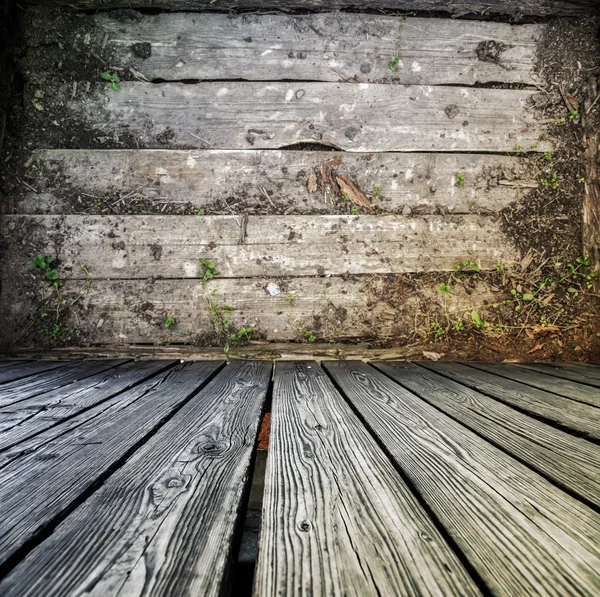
(319,47)
(573,8)
(41,383)
(337,518)
(550,383)
(130,247)
(164,523)
(522,534)
(67,467)
(425,183)
(30,417)
(360,118)
(571,371)
(569,414)
(23,370)
(5,364)
(569,461)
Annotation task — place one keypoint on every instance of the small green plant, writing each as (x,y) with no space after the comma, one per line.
(581,180)
(518,149)
(498,267)
(378,190)
(458,326)
(50,271)
(56,331)
(437,330)
(477,320)
(309,336)
(553,182)
(208,271)
(460,180)
(574,115)
(244,334)
(467,264)
(345,198)
(200,212)
(169,321)
(113,79)
(444,288)
(394,63)
(355,211)
(291,299)
(548,156)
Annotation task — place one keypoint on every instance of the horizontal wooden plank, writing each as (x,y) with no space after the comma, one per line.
(522,534)
(30,417)
(62,378)
(361,118)
(178,503)
(572,372)
(260,181)
(67,467)
(537,379)
(573,8)
(569,461)
(23,370)
(132,247)
(5,364)
(337,518)
(569,414)
(332,309)
(319,47)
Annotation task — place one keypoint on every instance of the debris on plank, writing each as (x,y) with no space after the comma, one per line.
(354,194)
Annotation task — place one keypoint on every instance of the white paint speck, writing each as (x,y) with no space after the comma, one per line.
(267,52)
(363,86)
(289,95)
(179,65)
(347,107)
(415,67)
(409,174)
(191,161)
(222,91)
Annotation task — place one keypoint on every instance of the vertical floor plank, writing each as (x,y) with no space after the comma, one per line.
(37,489)
(569,414)
(538,379)
(164,523)
(571,462)
(35,385)
(337,518)
(522,534)
(25,419)
(20,371)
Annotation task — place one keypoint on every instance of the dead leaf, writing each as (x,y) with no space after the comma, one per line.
(571,103)
(537,347)
(526,261)
(311,183)
(432,356)
(354,194)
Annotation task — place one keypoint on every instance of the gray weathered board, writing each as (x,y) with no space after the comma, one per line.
(566,371)
(521,534)
(352,117)
(62,379)
(22,370)
(178,502)
(28,418)
(337,519)
(514,8)
(362,48)
(66,468)
(569,414)
(259,180)
(569,461)
(550,383)
(132,247)
(340,308)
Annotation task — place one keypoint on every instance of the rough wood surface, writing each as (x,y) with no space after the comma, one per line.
(337,518)
(569,461)
(177,501)
(522,534)
(5,364)
(74,180)
(569,414)
(66,468)
(333,308)
(131,247)
(23,370)
(42,383)
(550,383)
(572,372)
(361,118)
(30,417)
(573,8)
(319,47)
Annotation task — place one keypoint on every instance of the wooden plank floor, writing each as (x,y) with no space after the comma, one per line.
(382,479)
(215,147)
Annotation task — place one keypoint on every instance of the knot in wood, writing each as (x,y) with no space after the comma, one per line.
(304,526)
